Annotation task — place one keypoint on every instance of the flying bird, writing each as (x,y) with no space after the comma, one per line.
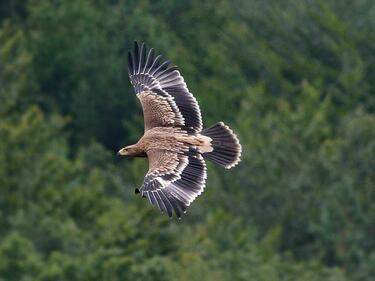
(174,140)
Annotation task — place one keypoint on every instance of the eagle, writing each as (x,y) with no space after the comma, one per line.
(174,140)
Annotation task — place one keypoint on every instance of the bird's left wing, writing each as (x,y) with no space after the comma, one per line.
(165,98)
(174,179)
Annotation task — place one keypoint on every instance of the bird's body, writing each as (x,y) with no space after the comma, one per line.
(169,139)
(174,140)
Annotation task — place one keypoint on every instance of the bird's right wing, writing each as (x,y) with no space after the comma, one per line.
(165,98)
(174,179)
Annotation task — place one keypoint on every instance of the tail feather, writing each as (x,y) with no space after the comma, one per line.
(226,147)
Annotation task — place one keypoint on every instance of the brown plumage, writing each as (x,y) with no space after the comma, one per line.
(174,140)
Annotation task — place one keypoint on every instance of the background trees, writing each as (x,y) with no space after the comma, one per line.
(296,80)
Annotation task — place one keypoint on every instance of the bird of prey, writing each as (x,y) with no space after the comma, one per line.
(174,140)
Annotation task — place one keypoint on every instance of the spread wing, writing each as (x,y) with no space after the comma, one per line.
(174,179)
(165,98)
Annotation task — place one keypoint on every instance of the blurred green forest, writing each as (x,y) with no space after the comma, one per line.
(296,81)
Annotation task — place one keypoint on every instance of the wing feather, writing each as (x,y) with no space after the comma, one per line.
(174,179)
(148,73)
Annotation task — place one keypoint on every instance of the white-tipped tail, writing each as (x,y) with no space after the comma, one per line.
(226,147)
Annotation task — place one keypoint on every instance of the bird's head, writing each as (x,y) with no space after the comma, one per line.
(125,151)
(131,150)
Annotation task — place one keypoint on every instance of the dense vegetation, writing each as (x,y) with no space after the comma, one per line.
(296,79)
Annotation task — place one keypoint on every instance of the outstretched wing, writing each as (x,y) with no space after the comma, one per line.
(174,179)
(165,98)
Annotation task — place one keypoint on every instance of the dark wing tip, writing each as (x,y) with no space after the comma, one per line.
(137,59)
(130,63)
(136,56)
(142,57)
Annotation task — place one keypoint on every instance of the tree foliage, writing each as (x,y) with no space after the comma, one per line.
(294,78)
